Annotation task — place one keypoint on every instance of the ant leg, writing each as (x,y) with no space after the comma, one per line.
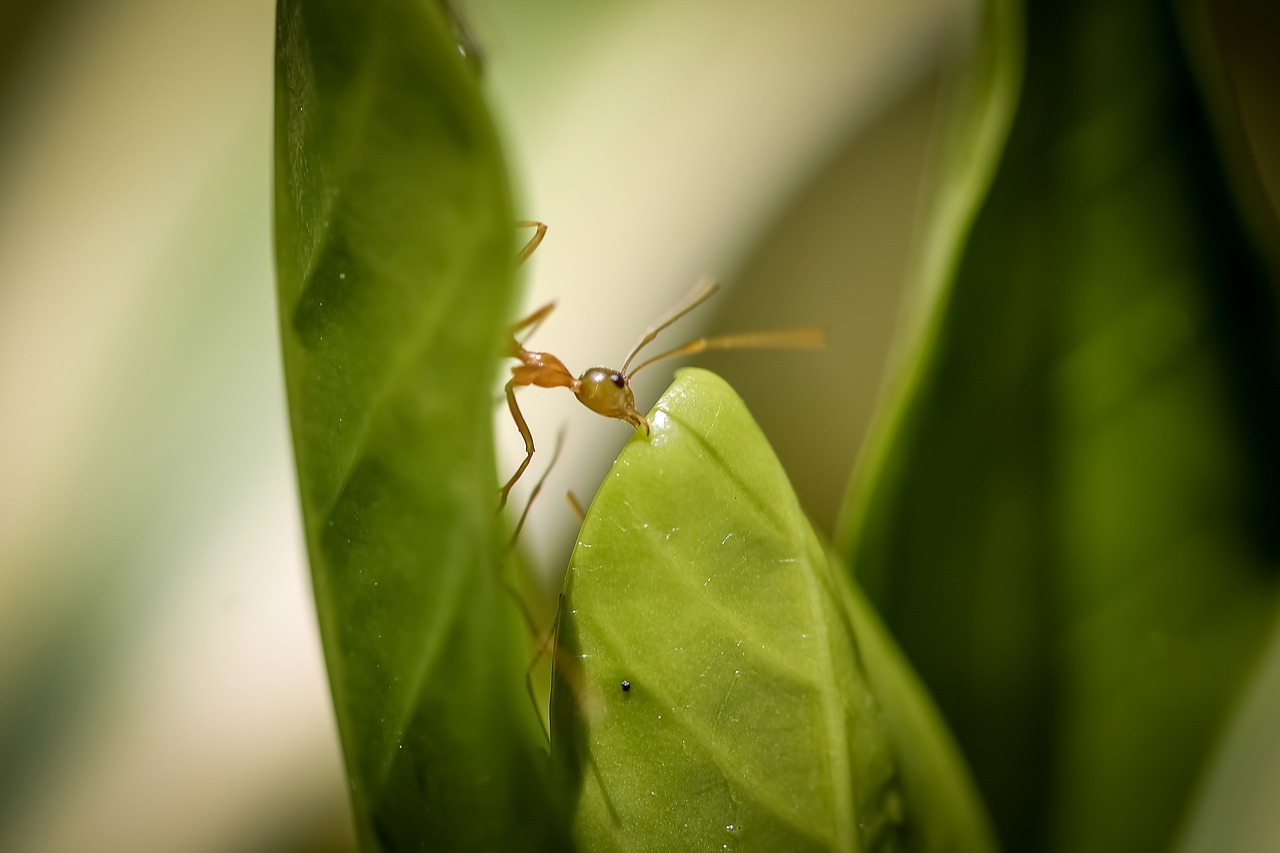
(537,488)
(546,636)
(533,321)
(568,667)
(528,680)
(528,443)
(534,241)
(578,511)
(532,625)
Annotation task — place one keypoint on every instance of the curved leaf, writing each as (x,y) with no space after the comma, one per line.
(1071,529)
(763,708)
(395,257)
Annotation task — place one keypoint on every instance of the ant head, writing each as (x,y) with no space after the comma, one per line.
(607,392)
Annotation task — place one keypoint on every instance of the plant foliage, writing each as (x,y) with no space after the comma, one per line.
(1068,518)
(395,267)
(764,708)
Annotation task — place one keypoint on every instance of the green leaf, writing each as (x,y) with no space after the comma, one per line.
(394,249)
(766,709)
(1068,520)
(1235,806)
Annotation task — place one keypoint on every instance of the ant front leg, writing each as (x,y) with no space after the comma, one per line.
(528,442)
(532,322)
(539,232)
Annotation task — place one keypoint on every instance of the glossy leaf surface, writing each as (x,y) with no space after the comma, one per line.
(1069,521)
(395,257)
(763,706)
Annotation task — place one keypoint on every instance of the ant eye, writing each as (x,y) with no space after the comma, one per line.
(617,379)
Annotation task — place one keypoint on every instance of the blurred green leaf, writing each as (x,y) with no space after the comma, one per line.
(1236,805)
(764,708)
(394,242)
(1068,516)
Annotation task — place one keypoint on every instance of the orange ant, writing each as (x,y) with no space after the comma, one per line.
(606,391)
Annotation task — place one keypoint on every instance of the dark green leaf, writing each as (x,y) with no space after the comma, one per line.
(394,244)
(765,708)
(1069,521)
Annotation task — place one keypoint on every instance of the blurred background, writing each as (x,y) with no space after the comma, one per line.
(161,682)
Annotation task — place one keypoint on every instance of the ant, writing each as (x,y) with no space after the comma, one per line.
(606,391)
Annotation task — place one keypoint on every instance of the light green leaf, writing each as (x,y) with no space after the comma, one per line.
(766,708)
(394,244)
(1069,522)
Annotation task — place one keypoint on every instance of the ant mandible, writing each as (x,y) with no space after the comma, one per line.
(606,391)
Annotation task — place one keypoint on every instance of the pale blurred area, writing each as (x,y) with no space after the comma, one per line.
(161,682)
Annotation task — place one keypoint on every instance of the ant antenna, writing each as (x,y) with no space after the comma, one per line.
(808,337)
(702,291)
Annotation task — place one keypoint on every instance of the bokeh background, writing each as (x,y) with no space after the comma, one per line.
(161,682)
